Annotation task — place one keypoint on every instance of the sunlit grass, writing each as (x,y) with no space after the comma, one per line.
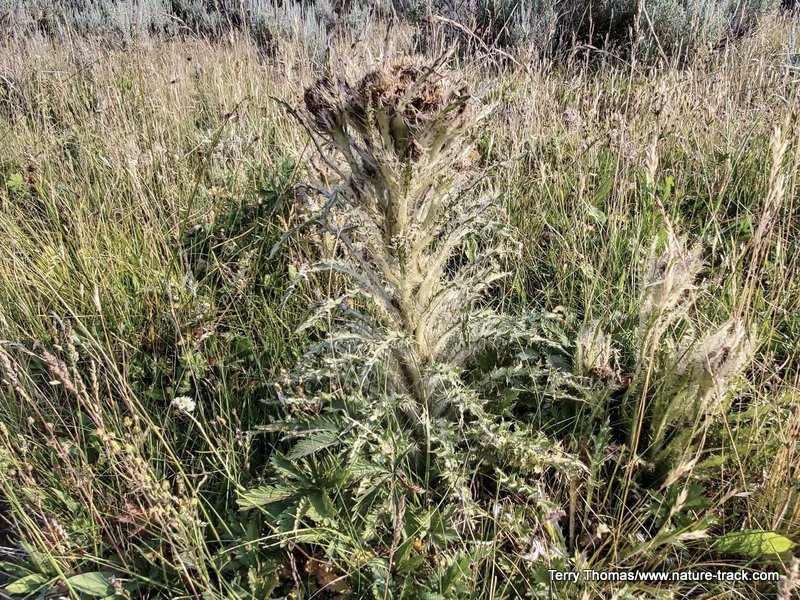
(142,192)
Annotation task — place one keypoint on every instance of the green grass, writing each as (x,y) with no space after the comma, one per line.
(140,200)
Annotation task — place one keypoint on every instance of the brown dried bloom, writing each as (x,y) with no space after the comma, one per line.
(321,100)
(405,109)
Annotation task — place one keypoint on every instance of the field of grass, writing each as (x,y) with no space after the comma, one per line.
(155,437)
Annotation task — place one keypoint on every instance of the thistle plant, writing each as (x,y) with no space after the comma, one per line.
(393,407)
(681,377)
(696,377)
(412,234)
(416,393)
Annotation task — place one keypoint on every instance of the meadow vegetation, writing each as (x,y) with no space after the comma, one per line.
(387,307)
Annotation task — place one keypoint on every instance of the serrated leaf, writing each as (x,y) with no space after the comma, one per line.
(458,569)
(97,584)
(321,509)
(288,469)
(753,543)
(266,494)
(312,444)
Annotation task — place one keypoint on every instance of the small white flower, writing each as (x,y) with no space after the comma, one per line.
(183,404)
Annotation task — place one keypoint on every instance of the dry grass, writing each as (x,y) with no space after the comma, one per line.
(125,169)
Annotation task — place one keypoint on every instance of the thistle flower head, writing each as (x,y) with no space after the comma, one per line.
(669,279)
(321,100)
(396,113)
(716,362)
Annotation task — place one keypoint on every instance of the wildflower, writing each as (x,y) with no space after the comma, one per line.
(183,404)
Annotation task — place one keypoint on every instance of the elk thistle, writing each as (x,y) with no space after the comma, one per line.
(681,378)
(694,391)
(396,403)
(688,386)
(412,235)
(668,286)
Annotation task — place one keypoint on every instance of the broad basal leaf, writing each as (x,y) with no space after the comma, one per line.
(266,494)
(26,585)
(97,584)
(753,543)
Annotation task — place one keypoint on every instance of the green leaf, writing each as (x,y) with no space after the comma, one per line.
(27,585)
(97,584)
(753,543)
(313,444)
(290,470)
(322,509)
(15,182)
(597,215)
(458,569)
(266,494)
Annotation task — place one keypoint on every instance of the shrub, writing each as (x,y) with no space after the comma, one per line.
(663,29)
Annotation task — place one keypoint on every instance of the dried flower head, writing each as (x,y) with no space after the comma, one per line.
(395,114)
(321,100)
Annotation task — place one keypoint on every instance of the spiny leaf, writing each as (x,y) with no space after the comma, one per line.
(266,494)
(313,444)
